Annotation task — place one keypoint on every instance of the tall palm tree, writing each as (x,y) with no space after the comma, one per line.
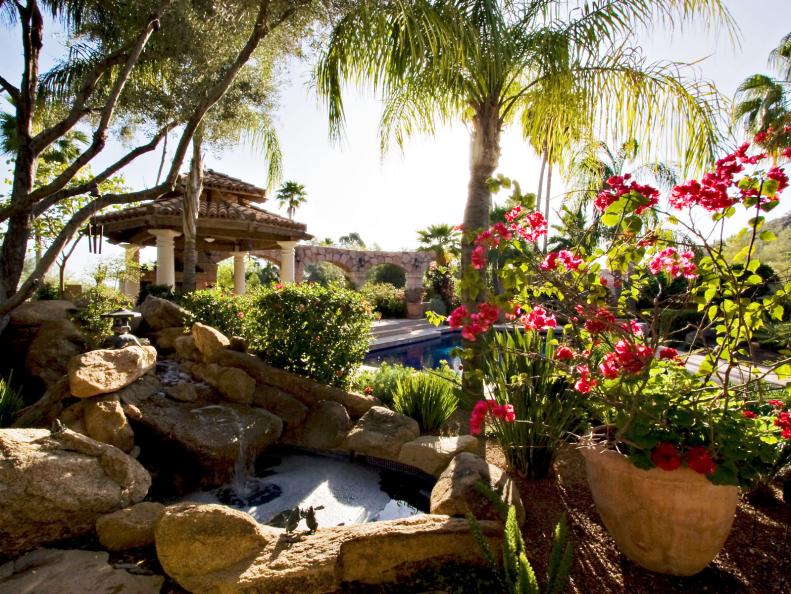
(442,239)
(435,61)
(763,101)
(291,195)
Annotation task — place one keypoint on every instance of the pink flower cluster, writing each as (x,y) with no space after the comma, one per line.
(626,358)
(674,263)
(601,320)
(569,260)
(538,319)
(504,412)
(620,186)
(472,325)
(585,383)
(564,353)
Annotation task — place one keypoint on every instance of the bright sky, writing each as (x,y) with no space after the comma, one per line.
(387,199)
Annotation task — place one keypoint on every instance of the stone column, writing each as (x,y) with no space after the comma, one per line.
(287,266)
(130,286)
(413,290)
(166,262)
(239,281)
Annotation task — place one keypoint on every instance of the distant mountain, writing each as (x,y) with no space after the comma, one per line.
(776,254)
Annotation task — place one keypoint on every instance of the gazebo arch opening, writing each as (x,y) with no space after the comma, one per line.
(393,274)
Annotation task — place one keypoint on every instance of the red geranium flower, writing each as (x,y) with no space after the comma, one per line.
(665,456)
(748,414)
(699,459)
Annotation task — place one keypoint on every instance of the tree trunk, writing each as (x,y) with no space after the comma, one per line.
(190,212)
(546,203)
(12,254)
(541,177)
(484,157)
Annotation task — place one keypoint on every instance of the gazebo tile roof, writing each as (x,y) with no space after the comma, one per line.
(220,181)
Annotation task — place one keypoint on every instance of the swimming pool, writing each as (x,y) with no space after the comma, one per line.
(420,355)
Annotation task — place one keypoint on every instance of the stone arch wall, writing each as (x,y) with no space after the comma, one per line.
(357,263)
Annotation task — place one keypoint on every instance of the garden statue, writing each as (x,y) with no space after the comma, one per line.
(121,329)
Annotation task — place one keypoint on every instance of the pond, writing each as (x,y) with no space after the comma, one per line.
(341,492)
(426,354)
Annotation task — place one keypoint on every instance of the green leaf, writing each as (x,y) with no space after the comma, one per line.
(610,219)
(767,236)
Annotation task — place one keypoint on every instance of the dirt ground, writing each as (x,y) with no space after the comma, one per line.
(756,558)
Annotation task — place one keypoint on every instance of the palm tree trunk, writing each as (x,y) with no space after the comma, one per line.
(484,157)
(546,203)
(190,212)
(541,177)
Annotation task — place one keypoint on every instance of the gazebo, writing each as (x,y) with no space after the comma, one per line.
(230,222)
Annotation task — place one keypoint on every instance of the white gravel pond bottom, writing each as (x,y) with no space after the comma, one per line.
(341,492)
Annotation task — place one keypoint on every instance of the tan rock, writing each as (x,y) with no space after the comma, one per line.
(196,553)
(73,417)
(455,493)
(55,571)
(324,429)
(55,343)
(131,527)
(159,314)
(201,539)
(35,313)
(186,349)
(105,421)
(182,392)
(305,390)
(432,454)
(288,408)
(238,344)
(235,385)
(209,340)
(46,409)
(56,486)
(165,339)
(108,370)
(381,432)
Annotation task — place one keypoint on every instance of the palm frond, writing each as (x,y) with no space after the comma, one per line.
(780,58)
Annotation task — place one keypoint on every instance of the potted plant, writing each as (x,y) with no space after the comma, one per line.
(681,431)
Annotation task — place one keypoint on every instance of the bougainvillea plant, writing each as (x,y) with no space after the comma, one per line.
(697,403)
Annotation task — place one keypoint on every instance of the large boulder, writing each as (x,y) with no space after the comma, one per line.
(35,313)
(55,343)
(305,390)
(108,370)
(185,348)
(105,421)
(209,340)
(201,539)
(288,408)
(432,453)
(456,494)
(381,432)
(55,571)
(208,548)
(324,429)
(165,339)
(55,486)
(213,438)
(129,528)
(232,383)
(46,409)
(159,313)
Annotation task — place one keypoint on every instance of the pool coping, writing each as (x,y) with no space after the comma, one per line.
(414,337)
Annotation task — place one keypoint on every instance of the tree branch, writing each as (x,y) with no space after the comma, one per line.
(10,89)
(130,59)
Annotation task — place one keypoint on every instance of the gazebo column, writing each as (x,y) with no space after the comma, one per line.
(239,281)
(287,265)
(166,261)
(130,285)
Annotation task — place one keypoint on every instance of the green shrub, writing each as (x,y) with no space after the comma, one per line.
(428,398)
(320,332)
(95,302)
(385,298)
(437,305)
(520,367)
(219,309)
(382,381)
(11,401)
(161,291)
(46,291)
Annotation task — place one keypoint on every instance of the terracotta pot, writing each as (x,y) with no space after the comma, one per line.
(672,522)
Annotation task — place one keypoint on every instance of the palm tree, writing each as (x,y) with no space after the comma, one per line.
(435,61)
(763,101)
(442,239)
(291,195)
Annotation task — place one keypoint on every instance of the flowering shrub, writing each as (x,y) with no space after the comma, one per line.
(611,351)
(218,309)
(385,299)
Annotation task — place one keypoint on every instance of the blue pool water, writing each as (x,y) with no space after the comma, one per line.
(420,355)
